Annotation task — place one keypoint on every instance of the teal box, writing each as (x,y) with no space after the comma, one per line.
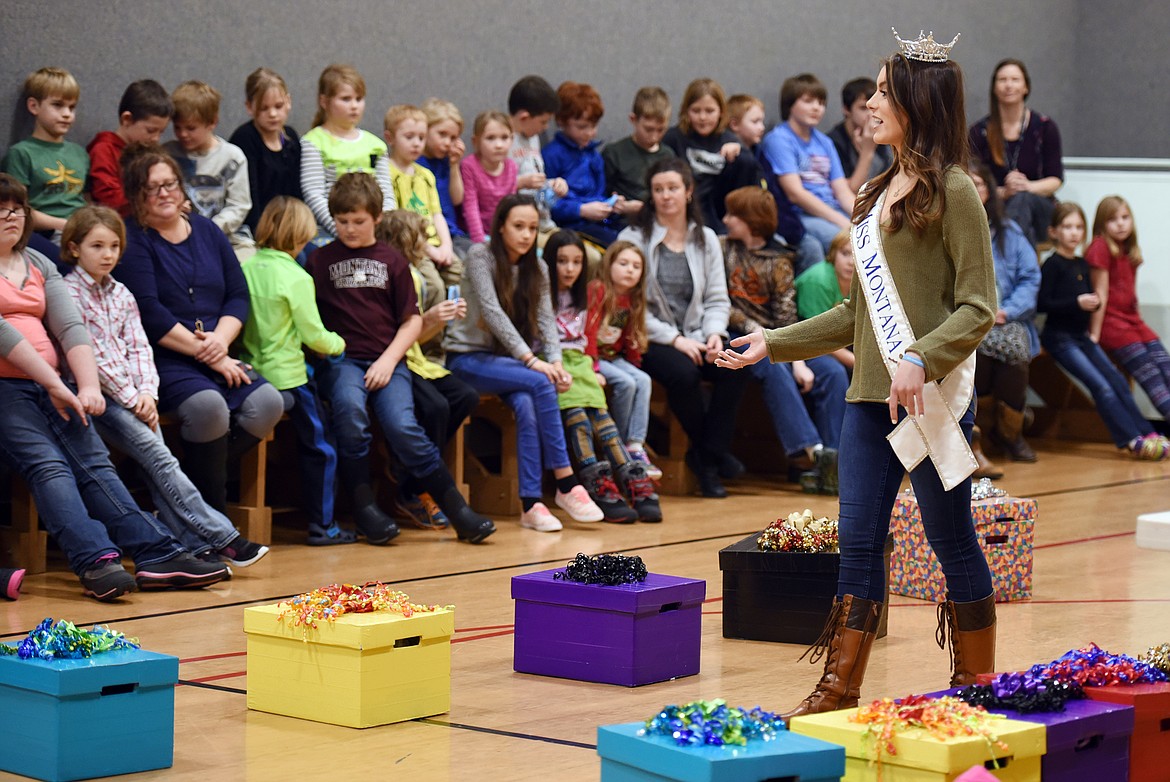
(628,757)
(113,713)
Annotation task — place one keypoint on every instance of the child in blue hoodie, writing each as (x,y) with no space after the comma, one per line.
(573,155)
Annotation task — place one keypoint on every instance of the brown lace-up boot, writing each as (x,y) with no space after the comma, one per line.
(969,629)
(845,645)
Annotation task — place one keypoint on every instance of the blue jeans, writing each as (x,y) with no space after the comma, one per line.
(540,434)
(342,383)
(196,524)
(870,475)
(80,499)
(822,230)
(794,426)
(316,456)
(808,253)
(629,398)
(1085,360)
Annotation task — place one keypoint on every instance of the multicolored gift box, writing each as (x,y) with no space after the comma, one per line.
(112,713)
(359,670)
(1005,527)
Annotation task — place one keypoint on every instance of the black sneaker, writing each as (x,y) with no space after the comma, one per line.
(107,580)
(709,483)
(182,571)
(242,552)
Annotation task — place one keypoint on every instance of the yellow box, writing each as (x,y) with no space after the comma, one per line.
(359,671)
(923,758)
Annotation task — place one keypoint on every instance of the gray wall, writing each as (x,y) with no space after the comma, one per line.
(1083,54)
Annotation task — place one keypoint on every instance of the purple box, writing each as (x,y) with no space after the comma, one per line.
(631,634)
(1088,740)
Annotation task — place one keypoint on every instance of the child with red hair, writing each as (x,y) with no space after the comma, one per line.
(574,156)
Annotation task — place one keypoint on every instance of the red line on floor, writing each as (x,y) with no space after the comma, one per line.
(217,677)
(1085,540)
(484,635)
(485,627)
(713,600)
(211,657)
(1029,601)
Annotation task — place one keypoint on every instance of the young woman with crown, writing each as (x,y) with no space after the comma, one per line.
(923,297)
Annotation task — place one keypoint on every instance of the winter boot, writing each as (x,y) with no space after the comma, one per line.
(370,520)
(970,630)
(1009,433)
(635,479)
(986,468)
(469,525)
(597,479)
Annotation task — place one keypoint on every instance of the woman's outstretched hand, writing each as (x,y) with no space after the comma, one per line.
(756,350)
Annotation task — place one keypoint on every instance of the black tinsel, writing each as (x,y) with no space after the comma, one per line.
(605,569)
(1022,693)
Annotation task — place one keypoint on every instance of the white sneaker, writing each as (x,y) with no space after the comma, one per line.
(578,504)
(538,518)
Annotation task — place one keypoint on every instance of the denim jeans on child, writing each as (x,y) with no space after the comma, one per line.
(629,398)
(81,500)
(316,455)
(870,475)
(1085,360)
(342,382)
(540,434)
(822,230)
(794,425)
(196,524)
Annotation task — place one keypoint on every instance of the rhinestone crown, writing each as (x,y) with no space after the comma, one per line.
(925,49)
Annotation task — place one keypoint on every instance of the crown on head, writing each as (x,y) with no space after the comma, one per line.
(925,49)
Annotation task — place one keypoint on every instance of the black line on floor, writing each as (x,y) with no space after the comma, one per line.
(507,733)
(1095,487)
(206,686)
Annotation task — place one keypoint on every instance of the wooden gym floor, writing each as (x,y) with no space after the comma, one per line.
(1091,583)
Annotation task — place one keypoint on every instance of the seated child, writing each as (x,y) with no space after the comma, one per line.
(719,162)
(442,402)
(745,114)
(282,319)
(628,160)
(442,155)
(806,164)
(414,184)
(53,169)
(143,114)
(861,158)
(273,149)
(616,336)
(582,403)
(336,146)
(531,103)
(488,174)
(823,286)
(572,155)
(215,171)
(1067,295)
(759,282)
(366,294)
(46,437)
(93,241)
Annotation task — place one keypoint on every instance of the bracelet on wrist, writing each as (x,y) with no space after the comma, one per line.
(531,362)
(914,359)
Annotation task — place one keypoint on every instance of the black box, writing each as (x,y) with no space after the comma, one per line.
(782,596)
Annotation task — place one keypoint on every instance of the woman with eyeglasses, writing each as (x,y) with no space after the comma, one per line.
(194,301)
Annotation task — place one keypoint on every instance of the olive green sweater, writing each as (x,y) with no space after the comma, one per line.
(946,280)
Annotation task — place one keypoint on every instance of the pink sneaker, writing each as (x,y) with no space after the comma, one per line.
(10,581)
(578,504)
(540,519)
(641,457)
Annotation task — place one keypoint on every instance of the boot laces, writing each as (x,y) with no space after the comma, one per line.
(606,488)
(825,641)
(640,487)
(944,636)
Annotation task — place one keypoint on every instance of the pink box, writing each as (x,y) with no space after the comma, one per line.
(1005,527)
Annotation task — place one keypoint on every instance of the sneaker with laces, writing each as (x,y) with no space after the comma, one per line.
(421,511)
(578,504)
(10,581)
(640,456)
(597,479)
(107,580)
(640,489)
(182,571)
(1151,447)
(540,519)
(242,552)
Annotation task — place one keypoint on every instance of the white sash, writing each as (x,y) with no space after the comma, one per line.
(936,434)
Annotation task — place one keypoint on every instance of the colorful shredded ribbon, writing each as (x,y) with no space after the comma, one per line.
(336,600)
(604,569)
(64,640)
(1022,692)
(1092,666)
(800,532)
(942,718)
(1159,657)
(713,723)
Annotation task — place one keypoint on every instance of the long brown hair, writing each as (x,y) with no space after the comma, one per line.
(637,323)
(994,121)
(928,98)
(332,79)
(520,298)
(1110,206)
